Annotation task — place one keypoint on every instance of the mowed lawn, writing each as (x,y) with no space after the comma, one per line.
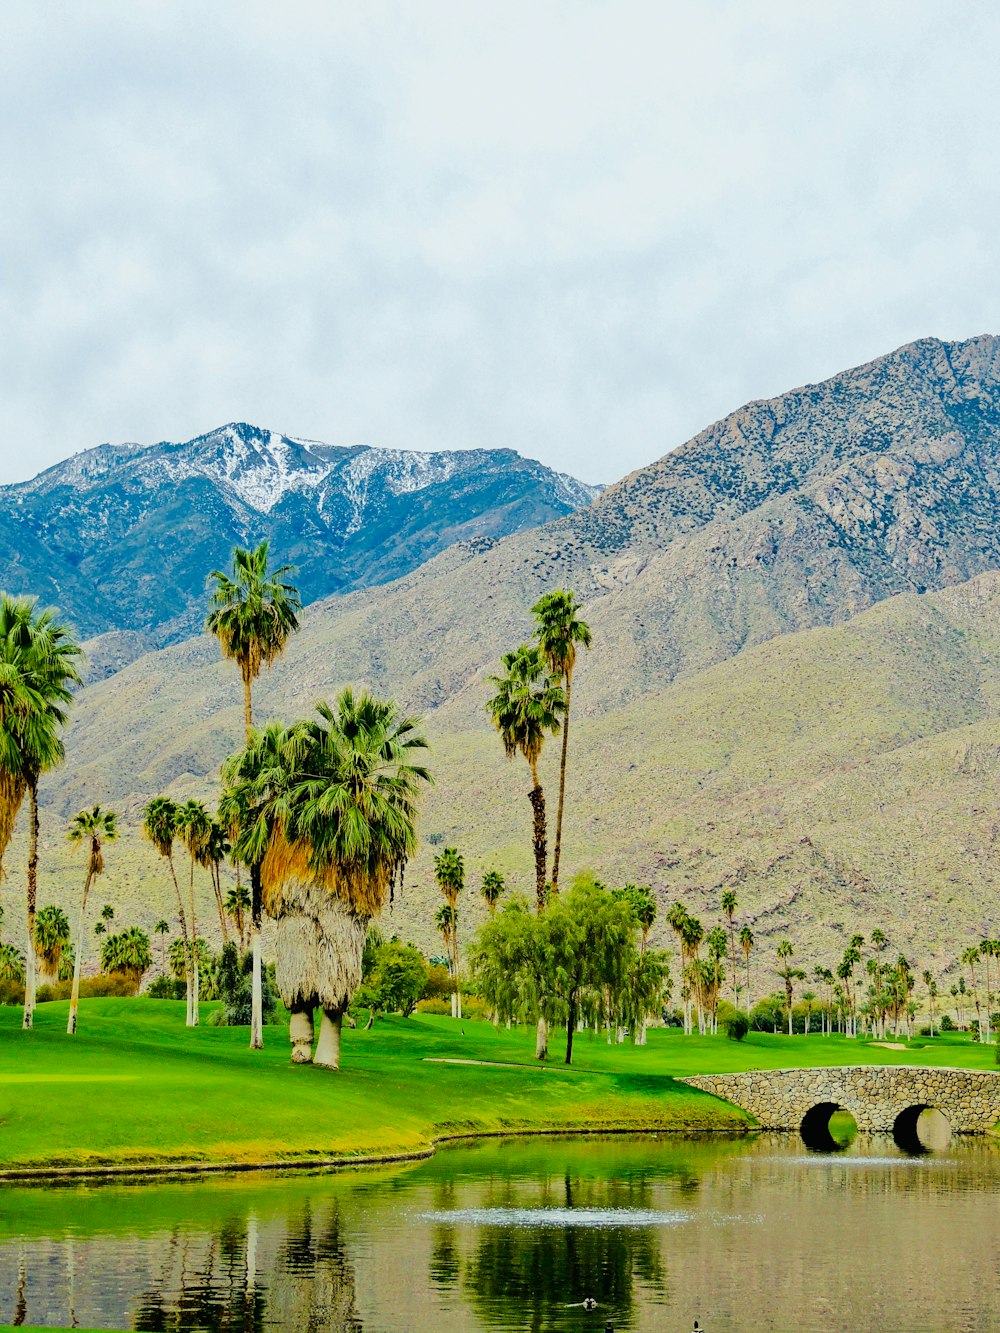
(135,1086)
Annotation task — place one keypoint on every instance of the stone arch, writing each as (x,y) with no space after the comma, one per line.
(906,1128)
(815,1127)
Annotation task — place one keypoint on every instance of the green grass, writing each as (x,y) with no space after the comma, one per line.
(135,1087)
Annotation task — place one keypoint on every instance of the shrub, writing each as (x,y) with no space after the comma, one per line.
(439,983)
(166,988)
(91,988)
(947,1024)
(11,992)
(736,1025)
(234,987)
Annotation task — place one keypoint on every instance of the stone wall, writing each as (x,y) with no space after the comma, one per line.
(875,1095)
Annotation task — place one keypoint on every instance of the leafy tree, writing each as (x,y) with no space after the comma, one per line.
(90,829)
(394,981)
(449,871)
(527,706)
(39,665)
(253,613)
(11,963)
(51,937)
(493,889)
(161,824)
(560,632)
(234,987)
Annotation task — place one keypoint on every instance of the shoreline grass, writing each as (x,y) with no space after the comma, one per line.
(136,1092)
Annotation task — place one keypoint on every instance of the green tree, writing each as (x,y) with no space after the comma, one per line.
(51,937)
(394,981)
(525,708)
(195,827)
(449,871)
(162,928)
(213,850)
(161,824)
(90,829)
(128,953)
(493,889)
(746,944)
(237,906)
(789,975)
(39,665)
(253,611)
(560,632)
(11,963)
(729,905)
(970,957)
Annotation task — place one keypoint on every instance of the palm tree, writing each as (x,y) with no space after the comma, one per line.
(989,949)
(560,632)
(51,937)
(161,825)
(344,828)
(253,613)
(808,998)
(449,871)
(788,975)
(100,928)
(526,707)
(444,922)
(729,905)
(717,945)
(92,828)
(746,944)
(493,889)
(39,665)
(162,929)
(214,850)
(195,827)
(237,905)
(107,912)
(11,963)
(970,957)
(929,982)
(129,954)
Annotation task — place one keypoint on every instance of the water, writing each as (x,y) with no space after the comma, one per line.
(742,1234)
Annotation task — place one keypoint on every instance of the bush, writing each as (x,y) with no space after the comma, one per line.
(736,1025)
(234,987)
(439,983)
(11,992)
(91,988)
(166,988)
(947,1024)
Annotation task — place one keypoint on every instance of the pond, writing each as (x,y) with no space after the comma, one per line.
(745,1233)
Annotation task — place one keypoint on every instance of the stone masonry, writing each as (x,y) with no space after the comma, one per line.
(875,1095)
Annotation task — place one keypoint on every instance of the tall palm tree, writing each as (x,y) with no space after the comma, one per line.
(746,944)
(92,828)
(195,827)
(493,889)
(162,929)
(237,906)
(989,949)
(970,957)
(526,707)
(253,613)
(161,825)
(449,871)
(444,923)
(39,665)
(560,633)
(729,905)
(789,975)
(51,938)
(346,826)
(213,850)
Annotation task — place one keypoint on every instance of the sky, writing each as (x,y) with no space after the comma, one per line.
(580,230)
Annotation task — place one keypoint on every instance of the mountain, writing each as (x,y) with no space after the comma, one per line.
(122,536)
(772,669)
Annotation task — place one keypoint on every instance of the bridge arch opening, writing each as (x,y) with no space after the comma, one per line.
(921,1129)
(828,1127)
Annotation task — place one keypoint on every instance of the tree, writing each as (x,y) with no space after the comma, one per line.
(253,613)
(808,999)
(161,824)
(162,929)
(237,905)
(128,953)
(560,633)
(336,823)
(729,904)
(444,922)
(39,665)
(717,945)
(91,829)
(107,912)
(195,827)
(11,963)
(746,944)
(51,937)
(394,981)
(970,957)
(213,850)
(449,871)
(526,707)
(931,985)
(789,975)
(493,888)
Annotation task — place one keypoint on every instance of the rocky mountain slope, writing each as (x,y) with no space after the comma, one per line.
(122,536)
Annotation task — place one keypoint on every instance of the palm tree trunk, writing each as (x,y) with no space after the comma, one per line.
(247,705)
(537,798)
(257,992)
(542,1038)
(562,787)
(193,1015)
(217,886)
(570,1027)
(30,974)
(74,999)
(328,1046)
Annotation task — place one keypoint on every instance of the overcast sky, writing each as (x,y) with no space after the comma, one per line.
(581,230)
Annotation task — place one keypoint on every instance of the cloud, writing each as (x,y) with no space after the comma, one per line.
(578,229)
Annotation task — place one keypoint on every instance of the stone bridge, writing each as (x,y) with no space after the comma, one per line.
(883,1099)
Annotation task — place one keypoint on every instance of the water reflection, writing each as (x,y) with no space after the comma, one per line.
(744,1234)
